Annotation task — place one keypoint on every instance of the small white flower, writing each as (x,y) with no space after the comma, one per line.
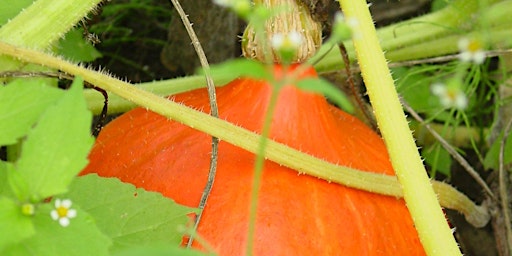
(63,212)
(277,41)
(339,18)
(286,46)
(341,30)
(290,41)
(450,96)
(471,50)
(241,7)
(224,3)
(295,38)
(353,23)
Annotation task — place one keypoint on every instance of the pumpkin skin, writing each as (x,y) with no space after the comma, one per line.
(297,214)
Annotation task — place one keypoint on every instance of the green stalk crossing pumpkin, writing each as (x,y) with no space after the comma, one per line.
(297,214)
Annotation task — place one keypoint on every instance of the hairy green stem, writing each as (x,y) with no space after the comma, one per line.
(276,152)
(44,22)
(433,229)
(162,88)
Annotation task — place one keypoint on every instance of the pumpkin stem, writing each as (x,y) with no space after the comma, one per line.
(281,31)
(286,17)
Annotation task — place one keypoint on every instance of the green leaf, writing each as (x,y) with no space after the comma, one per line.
(438,158)
(14,225)
(80,237)
(160,250)
(128,215)
(491,160)
(17,184)
(11,8)
(321,86)
(437,5)
(414,85)
(12,185)
(73,46)
(56,148)
(4,166)
(241,68)
(21,104)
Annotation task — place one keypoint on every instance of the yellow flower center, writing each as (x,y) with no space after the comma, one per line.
(452,92)
(62,211)
(474,46)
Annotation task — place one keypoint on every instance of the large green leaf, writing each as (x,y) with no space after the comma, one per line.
(16,185)
(21,104)
(160,250)
(10,8)
(14,225)
(128,215)
(80,237)
(56,148)
(4,185)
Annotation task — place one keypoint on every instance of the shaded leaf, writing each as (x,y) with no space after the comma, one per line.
(414,86)
(81,237)
(56,148)
(128,215)
(491,160)
(21,104)
(438,158)
(73,46)
(14,225)
(241,68)
(17,186)
(321,86)
(3,177)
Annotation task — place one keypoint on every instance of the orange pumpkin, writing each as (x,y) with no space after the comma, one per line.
(297,214)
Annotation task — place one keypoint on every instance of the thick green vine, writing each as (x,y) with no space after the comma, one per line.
(42,24)
(277,152)
(433,229)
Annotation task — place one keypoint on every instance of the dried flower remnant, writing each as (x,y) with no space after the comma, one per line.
(27,209)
